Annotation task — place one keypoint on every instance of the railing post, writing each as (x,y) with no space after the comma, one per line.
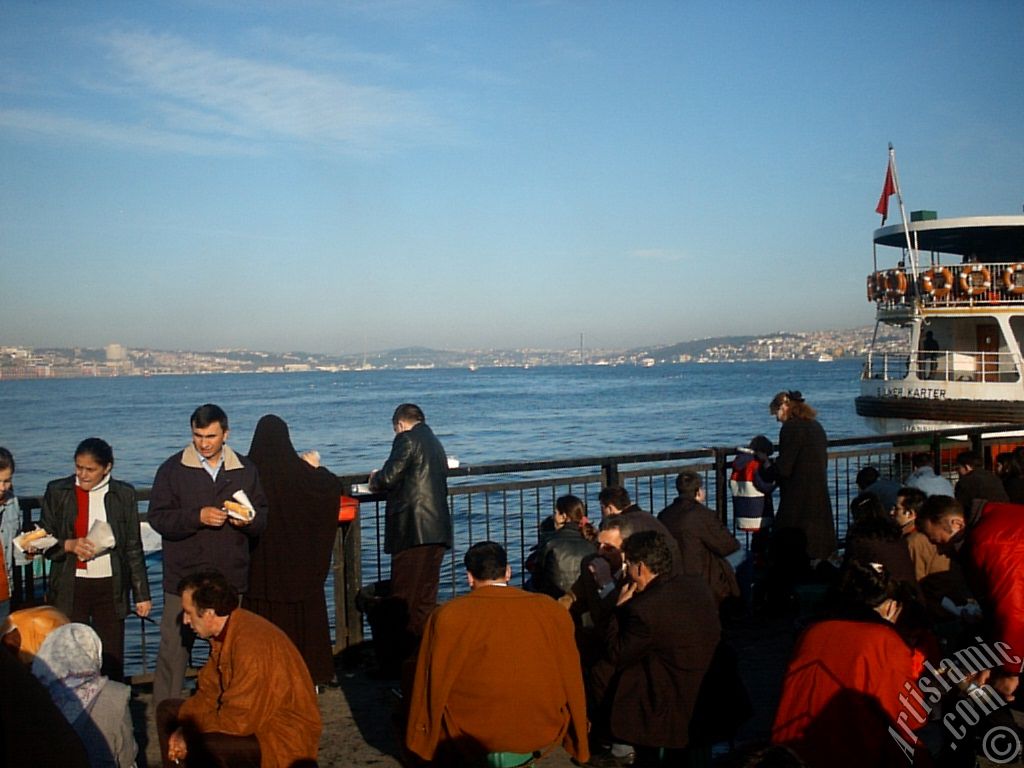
(721,485)
(609,474)
(348,580)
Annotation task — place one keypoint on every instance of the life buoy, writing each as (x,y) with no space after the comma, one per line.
(896,283)
(940,288)
(1013,279)
(975,279)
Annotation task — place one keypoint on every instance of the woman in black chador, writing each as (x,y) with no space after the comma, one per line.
(289,563)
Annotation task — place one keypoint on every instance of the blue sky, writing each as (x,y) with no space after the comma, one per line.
(332,176)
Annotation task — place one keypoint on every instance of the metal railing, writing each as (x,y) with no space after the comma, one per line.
(950,285)
(943,366)
(507,501)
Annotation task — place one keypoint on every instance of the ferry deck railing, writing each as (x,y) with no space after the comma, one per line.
(507,501)
(986,284)
(943,366)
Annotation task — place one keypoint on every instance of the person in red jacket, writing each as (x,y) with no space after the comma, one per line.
(990,548)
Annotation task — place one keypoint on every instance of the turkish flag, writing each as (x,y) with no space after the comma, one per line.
(888,189)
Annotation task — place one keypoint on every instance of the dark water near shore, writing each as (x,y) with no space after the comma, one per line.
(481,416)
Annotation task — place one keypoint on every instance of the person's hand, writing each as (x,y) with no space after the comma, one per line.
(177,749)
(212,516)
(626,593)
(80,548)
(239,523)
(143,607)
(311,457)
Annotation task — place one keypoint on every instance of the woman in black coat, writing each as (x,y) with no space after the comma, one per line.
(93,589)
(801,471)
(289,564)
(558,558)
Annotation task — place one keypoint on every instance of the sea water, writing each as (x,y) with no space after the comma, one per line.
(481,416)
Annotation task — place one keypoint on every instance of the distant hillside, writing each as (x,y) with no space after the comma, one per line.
(697,347)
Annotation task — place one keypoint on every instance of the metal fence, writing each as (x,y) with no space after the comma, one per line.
(506,502)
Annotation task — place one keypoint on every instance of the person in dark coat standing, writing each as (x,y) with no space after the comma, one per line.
(801,471)
(288,567)
(93,587)
(418,523)
(704,541)
(660,644)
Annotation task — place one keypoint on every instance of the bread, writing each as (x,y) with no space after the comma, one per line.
(239,509)
(26,539)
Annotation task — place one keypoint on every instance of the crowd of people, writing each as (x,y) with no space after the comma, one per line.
(616,650)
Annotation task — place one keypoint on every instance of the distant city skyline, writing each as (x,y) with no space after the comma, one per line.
(359,176)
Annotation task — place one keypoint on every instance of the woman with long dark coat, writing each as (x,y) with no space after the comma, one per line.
(801,470)
(289,564)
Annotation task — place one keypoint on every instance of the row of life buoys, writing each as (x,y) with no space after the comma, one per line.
(937,282)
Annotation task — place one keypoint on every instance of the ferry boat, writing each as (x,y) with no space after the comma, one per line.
(955,290)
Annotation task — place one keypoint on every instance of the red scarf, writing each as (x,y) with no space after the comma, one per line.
(82,519)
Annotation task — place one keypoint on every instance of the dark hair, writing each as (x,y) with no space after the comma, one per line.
(98,449)
(761,444)
(937,508)
(6,459)
(913,498)
(1010,464)
(867,476)
(486,561)
(575,509)
(867,506)
(615,495)
(650,548)
(688,483)
(210,590)
(864,584)
(922,459)
(205,415)
(798,409)
(408,412)
(968,459)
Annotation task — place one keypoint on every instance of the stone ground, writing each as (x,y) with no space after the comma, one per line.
(357,715)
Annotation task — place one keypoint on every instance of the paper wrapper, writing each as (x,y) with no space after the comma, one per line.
(33,547)
(242,499)
(102,537)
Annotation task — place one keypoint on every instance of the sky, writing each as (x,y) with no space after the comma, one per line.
(340,177)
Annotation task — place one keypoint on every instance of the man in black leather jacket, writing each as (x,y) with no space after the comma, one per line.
(418,524)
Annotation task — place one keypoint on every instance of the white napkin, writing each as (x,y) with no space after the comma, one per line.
(242,499)
(39,545)
(102,537)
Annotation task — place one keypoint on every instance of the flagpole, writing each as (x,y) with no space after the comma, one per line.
(903,213)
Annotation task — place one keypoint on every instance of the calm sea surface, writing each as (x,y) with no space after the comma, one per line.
(481,416)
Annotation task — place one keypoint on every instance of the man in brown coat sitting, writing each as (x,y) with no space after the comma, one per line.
(497,672)
(255,704)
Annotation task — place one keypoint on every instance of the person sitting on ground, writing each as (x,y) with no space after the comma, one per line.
(976,484)
(870,480)
(937,575)
(874,537)
(924,477)
(497,672)
(255,700)
(661,640)
(988,544)
(23,632)
(854,668)
(68,664)
(703,540)
(557,560)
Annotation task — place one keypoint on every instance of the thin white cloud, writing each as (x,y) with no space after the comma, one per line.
(35,122)
(274,101)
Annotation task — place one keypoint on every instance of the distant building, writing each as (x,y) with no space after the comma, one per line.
(116,353)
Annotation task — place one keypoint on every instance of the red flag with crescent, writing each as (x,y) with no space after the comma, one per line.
(888,190)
